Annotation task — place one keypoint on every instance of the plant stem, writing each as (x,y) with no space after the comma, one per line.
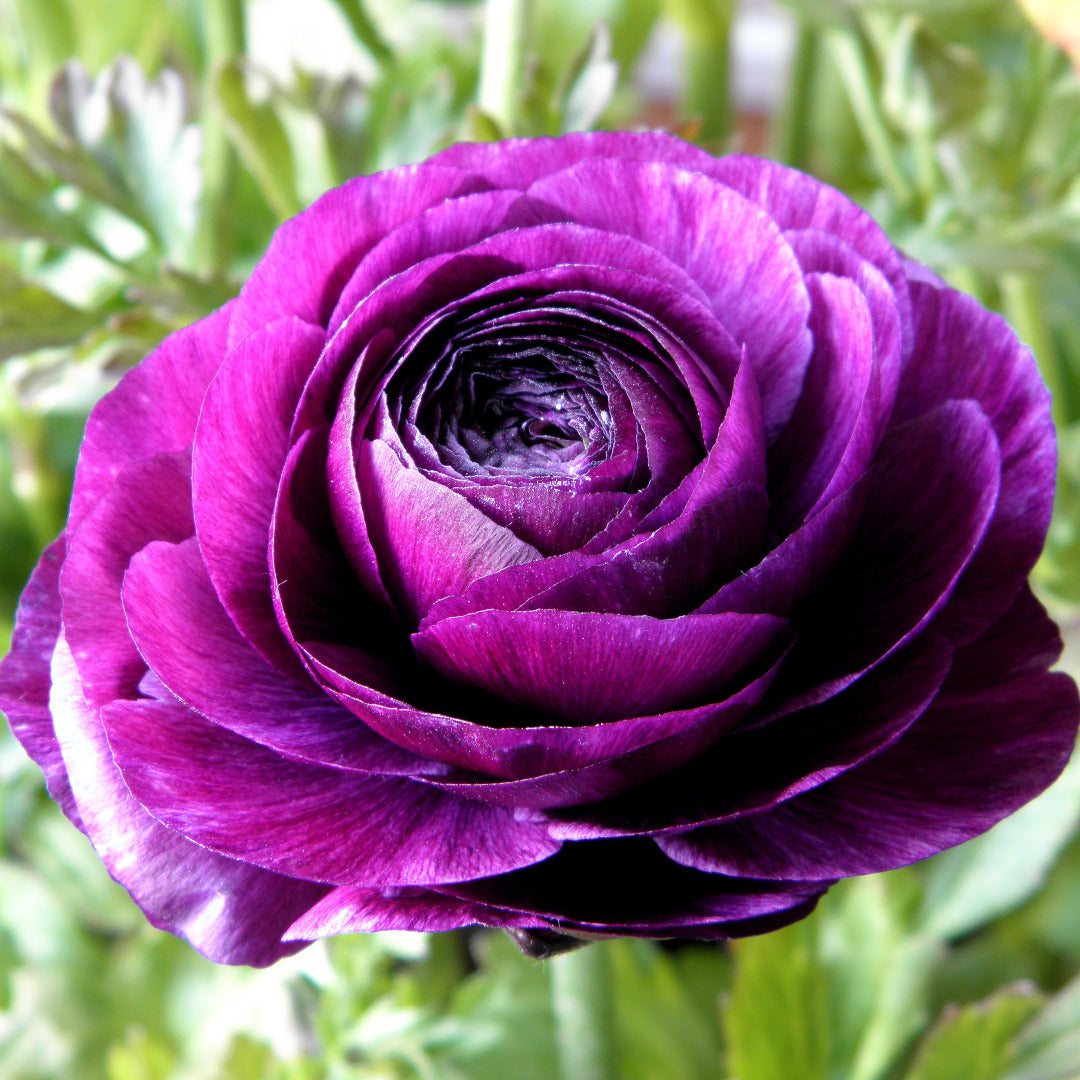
(506,28)
(584,1014)
(223,37)
(854,71)
(1024,308)
(791,133)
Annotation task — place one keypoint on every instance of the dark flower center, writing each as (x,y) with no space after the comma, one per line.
(528,409)
(526,401)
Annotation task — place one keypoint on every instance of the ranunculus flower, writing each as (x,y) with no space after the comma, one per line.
(582,536)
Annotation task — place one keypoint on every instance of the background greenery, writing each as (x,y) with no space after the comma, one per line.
(147,150)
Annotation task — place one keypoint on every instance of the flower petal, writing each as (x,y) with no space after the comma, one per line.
(231,912)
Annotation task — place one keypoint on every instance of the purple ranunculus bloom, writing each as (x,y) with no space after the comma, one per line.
(582,536)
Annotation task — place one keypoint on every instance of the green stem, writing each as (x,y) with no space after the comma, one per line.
(584,1014)
(791,133)
(851,62)
(36,482)
(706,30)
(1021,296)
(223,37)
(502,63)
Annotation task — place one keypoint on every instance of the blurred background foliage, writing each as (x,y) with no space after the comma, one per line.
(148,148)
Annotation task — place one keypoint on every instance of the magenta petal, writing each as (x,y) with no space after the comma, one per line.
(312,256)
(773,761)
(186,638)
(240,447)
(352,910)
(151,500)
(941,784)
(590,667)
(153,410)
(732,249)
(231,912)
(24,674)
(952,328)
(797,201)
(247,802)
(431,542)
(445,227)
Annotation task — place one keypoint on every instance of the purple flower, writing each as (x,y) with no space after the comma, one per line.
(580,536)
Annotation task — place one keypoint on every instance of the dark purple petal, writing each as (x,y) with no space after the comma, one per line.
(963,351)
(628,887)
(245,801)
(673,738)
(589,667)
(150,500)
(24,674)
(832,435)
(186,638)
(771,762)
(929,499)
(240,447)
(231,912)
(153,410)
(939,785)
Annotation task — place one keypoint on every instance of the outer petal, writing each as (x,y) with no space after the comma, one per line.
(151,500)
(188,641)
(24,674)
(941,784)
(628,887)
(313,255)
(240,449)
(250,803)
(963,351)
(231,912)
(153,410)
(352,910)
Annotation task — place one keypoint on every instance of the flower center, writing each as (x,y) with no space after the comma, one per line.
(511,404)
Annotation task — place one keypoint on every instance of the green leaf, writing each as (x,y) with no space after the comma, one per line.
(976,1042)
(34,318)
(259,136)
(878,972)
(365,29)
(667,1010)
(139,1057)
(591,81)
(27,209)
(136,131)
(776,1021)
(1049,1047)
(971,885)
